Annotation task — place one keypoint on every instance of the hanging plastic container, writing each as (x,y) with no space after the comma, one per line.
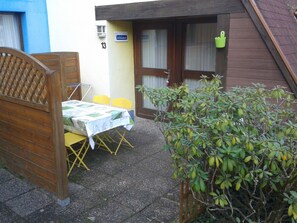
(221,40)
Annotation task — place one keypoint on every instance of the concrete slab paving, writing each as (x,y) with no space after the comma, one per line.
(139,218)
(110,211)
(13,188)
(136,198)
(135,186)
(111,186)
(162,210)
(29,202)
(5,176)
(8,216)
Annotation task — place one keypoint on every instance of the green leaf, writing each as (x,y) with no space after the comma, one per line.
(249,146)
(219,180)
(225,165)
(219,143)
(211,160)
(193,174)
(242,153)
(271,155)
(196,187)
(217,201)
(247,159)
(256,161)
(238,185)
(230,164)
(273,186)
(294,194)
(240,112)
(213,194)
(202,185)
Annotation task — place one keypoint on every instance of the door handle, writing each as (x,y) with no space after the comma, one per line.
(167,72)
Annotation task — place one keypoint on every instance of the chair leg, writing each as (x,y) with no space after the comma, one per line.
(107,138)
(122,135)
(122,139)
(86,148)
(77,158)
(68,161)
(103,144)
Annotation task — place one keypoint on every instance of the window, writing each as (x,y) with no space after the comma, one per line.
(200,51)
(10,33)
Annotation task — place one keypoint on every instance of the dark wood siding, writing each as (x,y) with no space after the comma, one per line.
(249,60)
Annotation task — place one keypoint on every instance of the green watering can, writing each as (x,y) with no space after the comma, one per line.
(221,40)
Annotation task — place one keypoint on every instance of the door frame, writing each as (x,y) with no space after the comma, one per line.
(177,52)
(137,28)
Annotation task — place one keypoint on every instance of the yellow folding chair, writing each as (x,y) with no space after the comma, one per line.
(77,147)
(122,103)
(127,104)
(103,137)
(101,99)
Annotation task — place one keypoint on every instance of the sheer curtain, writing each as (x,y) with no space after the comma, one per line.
(154,55)
(154,48)
(9,31)
(200,53)
(200,47)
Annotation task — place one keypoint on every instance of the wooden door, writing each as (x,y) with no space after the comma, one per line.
(153,57)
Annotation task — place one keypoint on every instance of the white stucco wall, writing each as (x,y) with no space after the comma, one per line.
(72,27)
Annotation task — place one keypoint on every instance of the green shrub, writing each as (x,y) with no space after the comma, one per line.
(238,148)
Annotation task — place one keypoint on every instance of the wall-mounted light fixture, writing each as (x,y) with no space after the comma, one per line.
(101,31)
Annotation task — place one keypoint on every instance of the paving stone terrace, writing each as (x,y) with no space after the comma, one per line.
(135,186)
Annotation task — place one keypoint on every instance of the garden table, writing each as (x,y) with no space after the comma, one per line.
(90,119)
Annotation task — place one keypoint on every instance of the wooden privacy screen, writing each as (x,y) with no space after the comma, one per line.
(66,64)
(189,207)
(31,126)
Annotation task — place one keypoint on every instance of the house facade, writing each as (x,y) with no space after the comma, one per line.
(173,42)
(125,43)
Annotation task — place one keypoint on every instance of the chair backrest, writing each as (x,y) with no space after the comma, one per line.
(122,103)
(101,99)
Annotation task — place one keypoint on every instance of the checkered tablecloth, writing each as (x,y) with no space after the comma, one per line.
(89,119)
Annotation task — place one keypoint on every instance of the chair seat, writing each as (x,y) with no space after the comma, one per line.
(71,138)
(101,99)
(78,152)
